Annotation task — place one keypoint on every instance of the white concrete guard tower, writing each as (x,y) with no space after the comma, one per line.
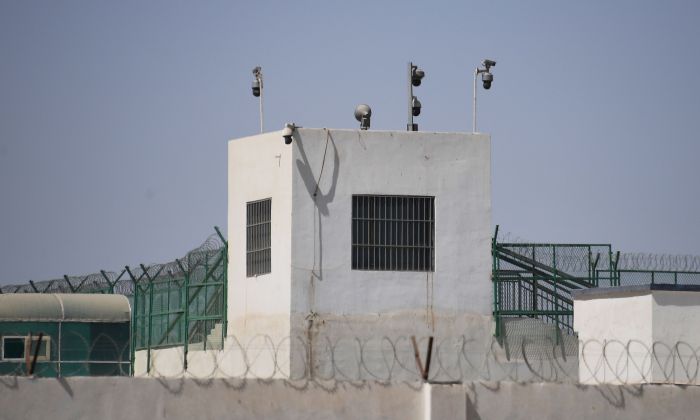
(350,233)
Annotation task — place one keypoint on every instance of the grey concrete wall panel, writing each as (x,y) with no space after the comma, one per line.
(187,399)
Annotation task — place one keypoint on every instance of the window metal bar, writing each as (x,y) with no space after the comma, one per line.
(393,233)
(258,237)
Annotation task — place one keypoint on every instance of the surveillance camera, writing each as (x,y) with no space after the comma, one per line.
(415,106)
(288,132)
(487,78)
(416,76)
(362,114)
(257,81)
(489,63)
(256,88)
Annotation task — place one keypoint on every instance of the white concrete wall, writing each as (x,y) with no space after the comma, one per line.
(251,360)
(605,328)
(675,321)
(333,303)
(455,168)
(312,291)
(259,167)
(638,336)
(129,398)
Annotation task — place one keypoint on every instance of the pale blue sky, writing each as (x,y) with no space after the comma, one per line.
(114,116)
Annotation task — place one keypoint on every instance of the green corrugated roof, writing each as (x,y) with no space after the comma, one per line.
(78,307)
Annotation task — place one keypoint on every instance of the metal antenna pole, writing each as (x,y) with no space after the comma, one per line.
(262,92)
(261,107)
(476,73)
(409,126)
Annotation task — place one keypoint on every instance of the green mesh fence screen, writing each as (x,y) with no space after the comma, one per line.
(180,303)
(184,304)
(66,349)
(535,280)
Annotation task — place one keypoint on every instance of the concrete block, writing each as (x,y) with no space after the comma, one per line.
(444,402)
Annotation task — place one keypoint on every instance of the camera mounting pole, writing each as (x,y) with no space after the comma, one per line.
(415,75)
(410,126)
(488,78)
(476,73)
(258,91)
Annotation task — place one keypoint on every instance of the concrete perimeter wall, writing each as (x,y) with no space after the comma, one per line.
(133,399)
(638,334)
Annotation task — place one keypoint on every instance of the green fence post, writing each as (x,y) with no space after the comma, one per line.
(495,280)
(556,292)
(596,281)
(590,262)
(535,279)
(150,323)
(70,285)
(617,271)
(109,283)
(611,279)
(224,327)
(134,326)
(186,313)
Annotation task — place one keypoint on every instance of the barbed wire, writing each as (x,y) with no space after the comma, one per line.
(454,359)
(385,360)
(658,262)
(580,258)
(120,281)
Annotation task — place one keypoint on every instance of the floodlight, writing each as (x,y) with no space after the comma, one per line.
(362,114)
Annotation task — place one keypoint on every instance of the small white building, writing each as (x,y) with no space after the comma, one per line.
(638,334)
(354,234)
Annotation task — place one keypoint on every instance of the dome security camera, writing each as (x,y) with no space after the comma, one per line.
(487,79)
(288,132)
(257,81)
(417,76)
(256,88)
(415,106)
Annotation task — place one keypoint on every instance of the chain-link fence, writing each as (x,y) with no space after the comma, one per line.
(536,280)
(182,304)
(119,282)
(179,303)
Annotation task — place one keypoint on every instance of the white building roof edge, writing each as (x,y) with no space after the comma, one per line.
(78,307)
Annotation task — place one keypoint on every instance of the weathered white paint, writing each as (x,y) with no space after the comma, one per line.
(236,360)
(173,399)
(637,335)
(312,289)
(442,402)
(259,167)
(455,168)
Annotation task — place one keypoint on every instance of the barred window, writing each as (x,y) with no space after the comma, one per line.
(258,237)
(393,233)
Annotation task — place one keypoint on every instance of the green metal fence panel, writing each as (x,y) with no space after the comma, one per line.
(536,279)
(183,305)
(180,303)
